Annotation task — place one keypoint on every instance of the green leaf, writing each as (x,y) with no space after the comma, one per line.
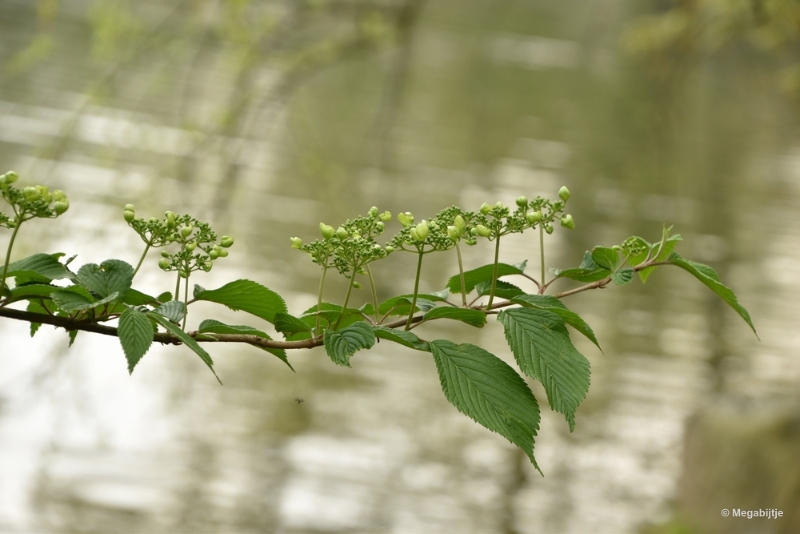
(111,276)
(166,296)
(72,335)
(401,305)
(330,315)
(31,291)
(709,277)
(554,305)
(486,272)
(185,338)
(135,335)
(540,343)
(471,317)
(504,290)
(622,276)
(341,344)
(247,296)
(289,325)
(44,265)
(75,298)
(606,258)
(174,310)
(35,307)
(402,337)
(137,298)
(661,254)
(588,271)
(486,389)
(211,326)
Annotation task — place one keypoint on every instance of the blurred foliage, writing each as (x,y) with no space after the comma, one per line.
(683,28)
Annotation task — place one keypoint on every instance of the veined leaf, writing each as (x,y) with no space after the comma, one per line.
(185,339)
(44,265)
(471,317)
(661,254)
(72,334)
(137,298)
(486,272)
(211,326)
(75,298)
(401,305)
(622,276)
(486,389)
(289,325)
(709,277)
(135,335)
(174,310)
(341,344)
(402,337)
(588,271)
(111,276)
(541,345)
(554,305)
(329,314)
(502,289)
(35,307)
(247,296)
(605,257)
(31,291)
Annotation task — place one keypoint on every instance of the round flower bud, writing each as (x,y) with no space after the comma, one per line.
(453,234)
(386,216)
(183,274)
(59,195)
(522,201)
(341,233)
(563,193)
(380,227)
(534,217)
(44,191)
(128,215)
(327,231)
(405,218)
(190,246)
(499,205)
(61,206)
(296,243)
(415,235)
(482,231)
(163,263)
(10,177)
(32,193)
(459,223)
(186,231)
(389,249)
(567,222)
(223,253)
(164,254)
(227,241)
(485,208)
(214,254)
(373,211)
(356,285)
(548,228)
(422,230)
(153,220)
(170,215)
(129,207)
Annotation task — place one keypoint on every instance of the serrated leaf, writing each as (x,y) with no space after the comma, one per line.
(245,295)
(135,335)
(709,277)
(540,343)
(35,307)
(75,298)
(504,290)
(622,276)
(486,389)
(486,272)
(111,276)
(137,298)
(554,305)
(185,339)
(216,327)
(471,317)
(330,315)
(342,344)
(173,310)
(402,337)
(43,265)
(31,291)
(401,305)
(606,258)
(72,335)
(289,325)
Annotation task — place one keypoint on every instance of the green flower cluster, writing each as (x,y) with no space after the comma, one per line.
(31,202)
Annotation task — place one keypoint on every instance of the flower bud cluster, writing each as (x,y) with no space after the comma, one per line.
(31,202)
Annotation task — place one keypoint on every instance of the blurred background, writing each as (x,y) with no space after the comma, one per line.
(265,117)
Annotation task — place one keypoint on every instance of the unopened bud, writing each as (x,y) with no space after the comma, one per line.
(380,227)
(170,215)
(58,195)
(548,228)
(356,285)
(44,191)
(61,206)
(534,217)
(459,223)
(405,218)
(226,241)
(191,246)
(10,177)
(128,215)
(164,264)
(164,254)
(563,193)
(567,222)
(186,231)
(386,216)
(129,207)
(482,231)
(522,201)
(485,208)
(296,243)
(326,230)
(389,249)
(453,234)
(373,211)
(31,193)
(422,230)
(341,233)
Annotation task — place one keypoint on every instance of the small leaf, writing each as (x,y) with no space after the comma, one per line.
(215,327)
(166,296)
(443,294)
(72,335)
(486,389)
(588,271)
(329,315)
(137,298)
(35,307)
(111,276)
(401,305)
(540,343)
(135,335)
(289,325)
(341,344)
(402,337)
(605,257)
(486,272)
(622,276)
(186,339)
(471,317)
(247,296)
(709,277)
(504,290)
(554,305)
(661,254)
(174,310)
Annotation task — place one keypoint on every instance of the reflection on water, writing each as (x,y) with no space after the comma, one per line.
(470,103)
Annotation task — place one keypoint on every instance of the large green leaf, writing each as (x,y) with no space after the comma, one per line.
(709,277)
(341,344)
(185,339)
(289,325)
(605,257)
(137,298)
(486,272)
(111,276)
(212,326)
(135,335)
(330,314)
(247,296)
(554,305)
(37,291)
(43,265)
(502,289)
(471,317)
(588,271)
(486,389)
(541,345)
(402,337)
(75,298)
